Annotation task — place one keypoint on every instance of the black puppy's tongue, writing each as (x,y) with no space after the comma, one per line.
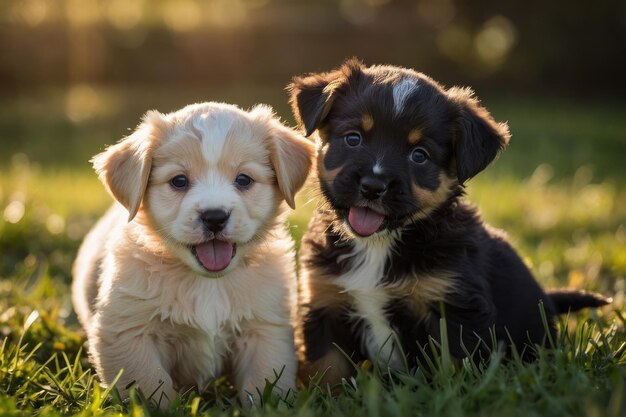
(364,221)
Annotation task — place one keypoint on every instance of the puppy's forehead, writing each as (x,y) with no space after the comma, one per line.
(401,103)
(217,139)
(397,92)
(231,138)
(401,91)
(213,131)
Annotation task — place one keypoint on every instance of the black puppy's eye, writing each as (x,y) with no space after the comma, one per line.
(180,182)
(353,139)
(419,156)
(243,181)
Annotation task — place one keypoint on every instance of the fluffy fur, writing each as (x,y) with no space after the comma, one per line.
(394,246)
(150,302)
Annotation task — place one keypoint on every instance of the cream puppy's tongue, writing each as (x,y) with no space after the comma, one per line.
(365,221)
(215,254)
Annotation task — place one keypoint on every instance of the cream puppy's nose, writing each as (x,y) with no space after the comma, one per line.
(214,219)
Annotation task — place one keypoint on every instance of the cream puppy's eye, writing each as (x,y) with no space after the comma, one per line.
(243,181)
(180,182)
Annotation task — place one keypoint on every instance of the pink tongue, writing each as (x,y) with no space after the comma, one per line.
(364,221)
(215,254)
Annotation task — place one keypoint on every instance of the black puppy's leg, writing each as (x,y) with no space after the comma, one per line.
(470,321)
(328,342)
(413,332)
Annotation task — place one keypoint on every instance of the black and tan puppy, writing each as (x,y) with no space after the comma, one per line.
(395,241)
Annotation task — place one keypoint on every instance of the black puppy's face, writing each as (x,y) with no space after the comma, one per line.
(394,145)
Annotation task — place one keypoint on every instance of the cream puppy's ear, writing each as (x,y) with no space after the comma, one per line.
(124,168)
(291,154)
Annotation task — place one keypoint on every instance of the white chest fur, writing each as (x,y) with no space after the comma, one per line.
(362,283)
(194,322)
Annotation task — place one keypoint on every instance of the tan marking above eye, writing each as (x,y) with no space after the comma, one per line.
(367,122)
(414,136)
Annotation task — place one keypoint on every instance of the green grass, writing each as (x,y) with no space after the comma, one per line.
(43,371)
(559,191)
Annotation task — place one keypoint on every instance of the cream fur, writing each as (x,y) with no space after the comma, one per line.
(146,303)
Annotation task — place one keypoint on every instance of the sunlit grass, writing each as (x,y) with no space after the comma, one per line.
(44,372)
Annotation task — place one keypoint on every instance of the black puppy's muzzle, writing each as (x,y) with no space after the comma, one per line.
(372,188)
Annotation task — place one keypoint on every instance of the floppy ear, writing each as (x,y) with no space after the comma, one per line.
(290,153)
(124,168)
(312,96)
(292,156)
(479,138)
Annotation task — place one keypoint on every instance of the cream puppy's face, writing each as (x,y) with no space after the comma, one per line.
(209,179)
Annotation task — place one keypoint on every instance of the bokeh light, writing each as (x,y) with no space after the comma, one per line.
(495,40)
(55,224)
(14,212)
(183,15)
(83,102)
(82,12)
(124,14)
(33,12)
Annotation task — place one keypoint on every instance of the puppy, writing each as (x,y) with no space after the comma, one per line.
(192,273)
(395,247)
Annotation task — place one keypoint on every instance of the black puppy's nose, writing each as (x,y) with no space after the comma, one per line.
(214,220)
(372,188)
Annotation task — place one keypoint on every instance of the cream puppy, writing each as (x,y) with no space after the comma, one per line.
(192,274)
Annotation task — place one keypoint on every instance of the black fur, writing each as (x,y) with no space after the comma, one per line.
(434,234)
(566,301)
(337,326)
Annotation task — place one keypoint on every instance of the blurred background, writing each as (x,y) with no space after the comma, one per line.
(76,75)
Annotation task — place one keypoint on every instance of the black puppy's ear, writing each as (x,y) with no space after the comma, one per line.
(479,138)
(312,96)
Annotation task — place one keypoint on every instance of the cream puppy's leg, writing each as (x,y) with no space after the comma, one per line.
(263,351)
(137,355)
(88,265)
